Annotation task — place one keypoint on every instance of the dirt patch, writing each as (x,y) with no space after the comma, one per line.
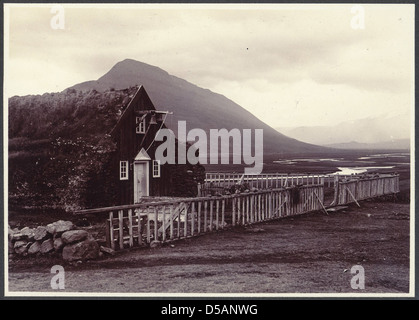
(311,253)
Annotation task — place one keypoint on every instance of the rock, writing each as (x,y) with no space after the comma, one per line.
(10,233)
(107,250)
(59,227)
(85,250)
(17,236)
(20,243)
(47,246)
(35,247)
(20,247)
(28,233)
(73,236)
(41,233)
(58,244)
(21,250)
(155,244)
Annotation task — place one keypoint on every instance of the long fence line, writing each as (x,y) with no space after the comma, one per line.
(360,189)
(179,218)
(268,180)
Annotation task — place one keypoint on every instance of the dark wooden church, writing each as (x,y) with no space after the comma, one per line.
(138,174)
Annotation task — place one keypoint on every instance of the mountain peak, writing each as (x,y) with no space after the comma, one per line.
(129,69)
(199,107)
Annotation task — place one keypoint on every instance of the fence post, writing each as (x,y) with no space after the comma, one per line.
(131,238)
(121,228)
(111,232)
(185,224)
(192,218)
(233,213)
(336,194)
(222,213)
(199,216)
(140,228)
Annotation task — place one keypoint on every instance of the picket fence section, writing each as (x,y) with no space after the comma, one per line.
(140,224)
(179,218)
(354,190)
(217,182)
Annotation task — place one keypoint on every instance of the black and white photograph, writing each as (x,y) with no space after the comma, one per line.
(209,150)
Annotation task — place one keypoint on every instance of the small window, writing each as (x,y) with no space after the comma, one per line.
(123,170)
(156,168)
(140,125)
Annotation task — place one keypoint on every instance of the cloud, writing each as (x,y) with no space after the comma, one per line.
(263,57)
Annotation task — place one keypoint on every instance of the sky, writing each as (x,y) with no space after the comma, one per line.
(289,65)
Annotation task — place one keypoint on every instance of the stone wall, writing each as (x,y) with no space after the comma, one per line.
(60,237)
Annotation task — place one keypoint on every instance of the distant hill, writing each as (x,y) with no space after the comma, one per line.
(379,130)
(400,144)
(200,108)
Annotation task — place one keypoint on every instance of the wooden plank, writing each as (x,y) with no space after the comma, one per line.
(193,219)
(243,209)
(164,223)
(148,224)
(178,214)
(247,209)
(233,211)
(111,231)
(121,228)
(274,204)
(223,207)
(217,212)
(280,202)
(252,208)
(267,206)
(271,204)
(130,233)
(205,216)
(238,200)
(171,227)
(261,201)
(211,214)
(199,216)
(140,228)
(107,233)
(353,197)
(156,224)
(185,224)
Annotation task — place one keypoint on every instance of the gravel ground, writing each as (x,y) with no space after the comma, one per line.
(311,253)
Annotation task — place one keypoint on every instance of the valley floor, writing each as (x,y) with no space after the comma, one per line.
(311,253)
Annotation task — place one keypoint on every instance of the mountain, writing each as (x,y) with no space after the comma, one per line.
(200,108)
(381,130)
(399,144)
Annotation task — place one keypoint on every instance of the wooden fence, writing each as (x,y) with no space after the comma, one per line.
(179,218)
(216,183)
(361,188)
(135,225)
